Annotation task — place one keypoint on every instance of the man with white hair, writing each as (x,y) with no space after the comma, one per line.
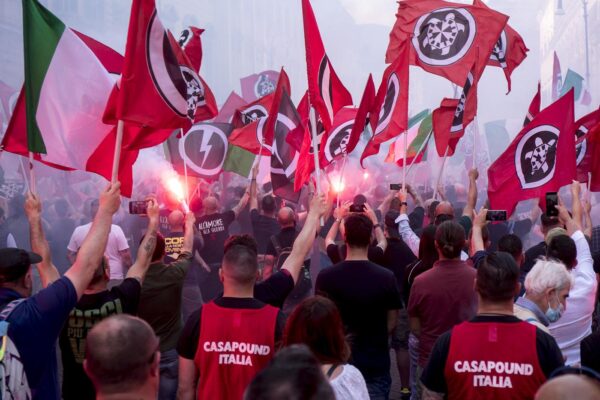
(547,287)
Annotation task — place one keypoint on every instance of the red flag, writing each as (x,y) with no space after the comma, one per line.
(510,49)
(367,103)
(98,162)
(540,159)
(391,105)
(257,128)
(327,93)
(446,38)
(584,148)
(534,107)
(259,85)
(306,160)
(556,78)
(334,143)
(594,149)
(191,43)
(453,116)
(160,87)
(228,109)
(296,137)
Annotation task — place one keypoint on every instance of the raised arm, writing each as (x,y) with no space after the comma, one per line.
(409,237)
(188,235)
(472,194)
(385,204)
(242,203)
(587,218)
(306,237)
(577,209)
(339,214)
(144,255)
(479,222)
(39,244)
(381,240)
(92,249)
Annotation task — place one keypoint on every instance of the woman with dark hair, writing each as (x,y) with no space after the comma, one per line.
(427,257)
(316,322)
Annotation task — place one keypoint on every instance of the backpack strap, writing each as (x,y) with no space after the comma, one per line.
(276,244)
(10,307)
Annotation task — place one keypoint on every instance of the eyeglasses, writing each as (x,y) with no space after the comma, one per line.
(567,370)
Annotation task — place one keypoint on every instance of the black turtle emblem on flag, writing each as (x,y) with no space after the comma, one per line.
(535,157)
(178,85)
(444,36)
(338,141)
(580,146)
(389,103)
(204,148)
(499,51)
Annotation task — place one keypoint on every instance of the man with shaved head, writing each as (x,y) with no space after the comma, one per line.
(230,339)
(213,225)
(279,248)
(567,387)
(122,357)
(444,211)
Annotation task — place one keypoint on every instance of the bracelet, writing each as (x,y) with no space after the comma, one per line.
(376,226)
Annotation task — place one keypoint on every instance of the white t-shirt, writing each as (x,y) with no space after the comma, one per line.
(350,384)
(576,322)
(116,243)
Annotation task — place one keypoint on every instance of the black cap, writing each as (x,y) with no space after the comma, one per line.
(14,263)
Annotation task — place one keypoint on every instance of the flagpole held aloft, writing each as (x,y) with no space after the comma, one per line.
(341,180)
(117,155)
(185,175)
(421,149)
(404,171)
(313,123)
(25,174)
(439,179)
(31,174)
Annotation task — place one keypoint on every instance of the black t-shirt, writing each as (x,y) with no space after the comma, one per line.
(396,258)
(188,341)
(549,355)
(590,351)
(364,293)
(285,238)
(337,253)
(215,230)
(263,227)
(531,256)
(276,289)
(91,309)
(413,270)
(163,220)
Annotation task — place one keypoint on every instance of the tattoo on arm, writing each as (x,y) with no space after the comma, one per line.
(150,243)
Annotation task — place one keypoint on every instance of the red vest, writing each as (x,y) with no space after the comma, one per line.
(493,360)
(234,345)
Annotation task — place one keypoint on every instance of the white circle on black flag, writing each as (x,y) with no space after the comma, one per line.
(535,156)
(444,36)
(337,141)
(204,148)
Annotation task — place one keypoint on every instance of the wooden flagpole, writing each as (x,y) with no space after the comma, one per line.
(313,123)
(475,134)
(117,155)
(404,170)
(25,174)
(185,174)
(439,179)
(341,180)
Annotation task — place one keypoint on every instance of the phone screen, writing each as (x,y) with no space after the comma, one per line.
(551,203)
(138,207)
(496,215)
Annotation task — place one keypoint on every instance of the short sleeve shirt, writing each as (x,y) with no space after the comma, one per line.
(34,328)
(214,229)
(364,292)
(337,253)
(263,227)
(117,242)
(91,309)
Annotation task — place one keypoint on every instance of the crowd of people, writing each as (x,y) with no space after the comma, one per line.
(247,296)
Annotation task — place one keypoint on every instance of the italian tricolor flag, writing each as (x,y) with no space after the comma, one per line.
(66,89)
